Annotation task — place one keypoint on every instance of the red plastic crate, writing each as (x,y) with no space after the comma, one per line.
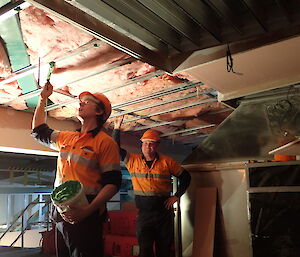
(48,241)
(106,227)
(122,223)
(121,246)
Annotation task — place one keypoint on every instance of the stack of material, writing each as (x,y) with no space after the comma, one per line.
(120,234)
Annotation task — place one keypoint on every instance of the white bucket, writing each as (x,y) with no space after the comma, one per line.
(77,200)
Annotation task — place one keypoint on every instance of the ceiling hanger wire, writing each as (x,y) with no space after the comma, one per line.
(229,62)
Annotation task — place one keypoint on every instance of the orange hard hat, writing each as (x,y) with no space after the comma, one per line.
(150,135)
(101,98)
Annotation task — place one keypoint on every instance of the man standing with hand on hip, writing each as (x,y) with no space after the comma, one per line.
(151,178)
(89,156)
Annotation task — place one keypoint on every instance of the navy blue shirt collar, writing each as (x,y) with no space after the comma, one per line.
(94,131)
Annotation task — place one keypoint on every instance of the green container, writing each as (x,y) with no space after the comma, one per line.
(68,194)
(66,191)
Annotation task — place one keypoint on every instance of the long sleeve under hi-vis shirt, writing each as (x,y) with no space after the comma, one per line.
(91,158)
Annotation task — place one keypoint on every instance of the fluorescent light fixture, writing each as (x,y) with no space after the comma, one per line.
(27,151)
(12,9)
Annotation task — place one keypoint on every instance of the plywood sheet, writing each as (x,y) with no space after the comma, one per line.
(205,218)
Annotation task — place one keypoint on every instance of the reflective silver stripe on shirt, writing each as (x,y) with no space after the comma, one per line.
(92,164)
(110,167)
(150,175)
(151,193)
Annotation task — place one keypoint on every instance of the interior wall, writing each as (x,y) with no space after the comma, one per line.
(15,130)
(232,236)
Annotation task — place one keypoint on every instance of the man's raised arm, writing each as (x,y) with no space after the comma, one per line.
(39,116)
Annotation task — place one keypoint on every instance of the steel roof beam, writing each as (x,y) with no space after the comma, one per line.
(171,13)
(285,9)
(223,9)
(142,17)
(203,15)
(110,13)
(155,53)
(258,12)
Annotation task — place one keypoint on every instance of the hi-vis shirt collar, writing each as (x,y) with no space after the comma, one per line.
(93,132)
(156,158)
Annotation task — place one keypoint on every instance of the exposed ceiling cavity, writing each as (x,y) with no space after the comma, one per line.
(168,65)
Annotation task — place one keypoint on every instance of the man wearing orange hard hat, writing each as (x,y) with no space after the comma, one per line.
(89,156)
(151,174)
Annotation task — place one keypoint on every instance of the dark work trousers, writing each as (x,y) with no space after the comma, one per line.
(83,239)
(155,228)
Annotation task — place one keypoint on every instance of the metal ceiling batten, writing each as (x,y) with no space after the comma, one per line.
(190,133)
(156,124)
(32,68)
(187,130)
(129,82)
(175,89)
(181,107)
(144,107)
(106,68)
(85,47)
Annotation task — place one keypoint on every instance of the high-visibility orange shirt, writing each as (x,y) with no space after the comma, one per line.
(84,158)
(153,181)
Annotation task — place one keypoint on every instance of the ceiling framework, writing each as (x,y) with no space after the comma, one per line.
(158,61)
(38,91)
(34,67)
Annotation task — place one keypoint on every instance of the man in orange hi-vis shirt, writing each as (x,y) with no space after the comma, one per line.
(89,156)
(151,174)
